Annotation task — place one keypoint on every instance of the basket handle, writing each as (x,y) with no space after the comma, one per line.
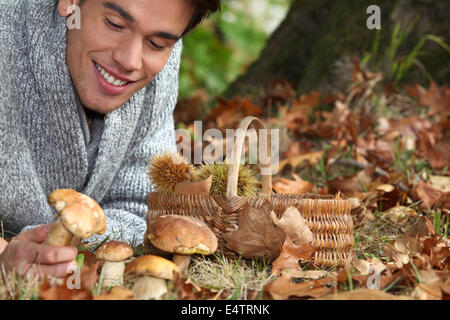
(233,172)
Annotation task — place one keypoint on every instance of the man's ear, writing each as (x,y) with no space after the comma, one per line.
(64,5)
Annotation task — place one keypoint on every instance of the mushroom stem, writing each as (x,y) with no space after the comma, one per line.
(60,236)
(113,273)
(147,287)
(182,261)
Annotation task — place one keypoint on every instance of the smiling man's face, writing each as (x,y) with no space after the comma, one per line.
(121,46)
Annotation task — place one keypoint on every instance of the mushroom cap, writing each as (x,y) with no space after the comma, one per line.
(154,266)
(181,235)
(114,251)
(80,214)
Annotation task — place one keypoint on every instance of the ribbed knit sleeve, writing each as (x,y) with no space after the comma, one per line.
(22,200)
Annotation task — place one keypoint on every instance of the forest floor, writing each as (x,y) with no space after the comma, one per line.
(386,150)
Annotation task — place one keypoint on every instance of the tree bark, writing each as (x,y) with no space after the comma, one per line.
(313,48)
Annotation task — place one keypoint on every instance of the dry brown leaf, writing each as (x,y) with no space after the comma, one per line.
(439,155)
(190,187)
(358,183)
(430,196)
(296,186)
(257,235)
(187,290)
(427,291)
(291,254)
(295,226)
(423,227)
(366,267)
(62,292)
(437,99)
(297,148)
(441,183)
(401,250)
(364,294)
(294,162)
(283,288)
(309,274)
(116,293)
(399,215)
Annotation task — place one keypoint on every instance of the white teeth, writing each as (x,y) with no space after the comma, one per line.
(109,78)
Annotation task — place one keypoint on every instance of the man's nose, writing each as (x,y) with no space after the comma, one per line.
(128,54)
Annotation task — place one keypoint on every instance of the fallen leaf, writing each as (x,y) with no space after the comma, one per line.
(295,226)
(401,250)
(257,235)
(188,290)
(358,183)
(290,255)
(441,183)
(364,294)
(62,292)
(296,186)
(430,196)
(294,162)
(283,288)
(190,187)
(116,293)
(438,100)
(366,267)
(399,215)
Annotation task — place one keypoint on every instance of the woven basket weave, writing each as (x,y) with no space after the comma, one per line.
(328,218)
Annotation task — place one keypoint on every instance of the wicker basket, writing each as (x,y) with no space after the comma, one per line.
(328,218)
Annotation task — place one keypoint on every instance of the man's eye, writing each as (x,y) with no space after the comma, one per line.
(113,25)
(155,45)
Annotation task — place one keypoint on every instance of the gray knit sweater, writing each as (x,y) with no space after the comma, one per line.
(42,146)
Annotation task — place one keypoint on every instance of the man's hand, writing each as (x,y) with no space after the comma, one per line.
(27,250)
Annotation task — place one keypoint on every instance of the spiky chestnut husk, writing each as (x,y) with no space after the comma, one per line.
(247,181)
(167,169)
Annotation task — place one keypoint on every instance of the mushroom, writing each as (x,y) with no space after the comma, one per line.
(78,217)
(182,236)
(114,253)
(152,273)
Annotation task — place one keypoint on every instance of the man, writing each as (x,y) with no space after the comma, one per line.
(84,108)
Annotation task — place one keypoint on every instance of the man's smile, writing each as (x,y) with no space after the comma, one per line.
(111,82)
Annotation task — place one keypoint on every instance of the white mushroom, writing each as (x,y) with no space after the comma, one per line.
(114,253)
(152,273)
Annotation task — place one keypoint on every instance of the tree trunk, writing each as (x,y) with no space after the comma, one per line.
(313,48)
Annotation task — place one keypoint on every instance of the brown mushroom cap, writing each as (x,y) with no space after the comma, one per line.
(80,214)
(154,266)
(181,235)
(114,251)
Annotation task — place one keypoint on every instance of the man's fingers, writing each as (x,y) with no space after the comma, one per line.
(55,270)
(54,254)
(41,253)
(37,234)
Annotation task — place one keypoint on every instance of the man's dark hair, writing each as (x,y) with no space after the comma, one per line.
(203,9)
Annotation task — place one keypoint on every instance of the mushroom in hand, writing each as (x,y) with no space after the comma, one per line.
(79,217)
